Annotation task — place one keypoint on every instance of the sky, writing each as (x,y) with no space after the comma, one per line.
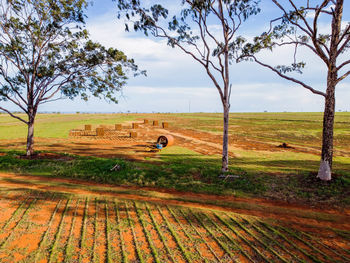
(176,83)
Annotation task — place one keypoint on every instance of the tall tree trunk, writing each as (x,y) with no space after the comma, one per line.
(325,170)
(225,139)
(30,137)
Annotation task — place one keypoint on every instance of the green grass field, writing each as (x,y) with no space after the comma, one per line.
(294,128)
(260,125)
(55,125)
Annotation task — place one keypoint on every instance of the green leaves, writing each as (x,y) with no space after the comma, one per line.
(294,67)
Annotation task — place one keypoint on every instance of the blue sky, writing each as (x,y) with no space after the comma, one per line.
(175,81)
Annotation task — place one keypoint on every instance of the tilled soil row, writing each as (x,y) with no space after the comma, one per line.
(49,227)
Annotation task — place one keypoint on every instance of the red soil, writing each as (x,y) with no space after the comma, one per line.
(35,225)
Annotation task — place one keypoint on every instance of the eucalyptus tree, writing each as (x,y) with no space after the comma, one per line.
(46,54)
(298,26)
(205,30)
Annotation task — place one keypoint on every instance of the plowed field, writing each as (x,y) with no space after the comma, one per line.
(38,224)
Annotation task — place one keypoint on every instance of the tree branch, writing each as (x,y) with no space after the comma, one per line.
(314,35)
(287,77)
(343,65)
(346,42)
(297,43)
(4,75)
(343,77)
(14,116)
(290,20)
(16,102)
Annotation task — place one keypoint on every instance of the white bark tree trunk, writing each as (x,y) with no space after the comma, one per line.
(225,139)
(30,138)
(325,170)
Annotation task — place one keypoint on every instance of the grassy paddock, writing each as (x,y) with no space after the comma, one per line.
(304,129)
(187,172)
(56,125)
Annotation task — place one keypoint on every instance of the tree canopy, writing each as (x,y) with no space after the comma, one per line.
(46,54)
(46,51)
(298,26)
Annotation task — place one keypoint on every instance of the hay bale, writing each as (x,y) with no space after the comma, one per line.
(135,125)
(155,123)
(145,121)
(88,127)
(118,127)
(165,125)
(75,132)
(100,132)
(133,134)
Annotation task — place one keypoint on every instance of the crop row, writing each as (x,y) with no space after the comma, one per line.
(98,230)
